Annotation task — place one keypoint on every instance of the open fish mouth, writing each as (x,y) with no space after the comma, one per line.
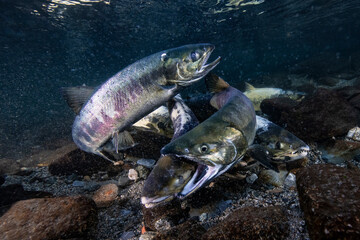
(152,202)
(202,70)
(292,155)
(203,175)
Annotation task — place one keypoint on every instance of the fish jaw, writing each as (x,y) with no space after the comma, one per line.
(292,155)
(203,175)
(168,177)
(189,69)
(152,202)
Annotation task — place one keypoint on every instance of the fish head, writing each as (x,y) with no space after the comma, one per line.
(166,180)
(214,153)
(187,64)
(283,145)
(284,151)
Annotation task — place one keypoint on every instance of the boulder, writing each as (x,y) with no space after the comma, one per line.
(275,106)
(322,116)
(15,192)
(49,218)
(330,199)
(169,211)
(188,230)
(251,223)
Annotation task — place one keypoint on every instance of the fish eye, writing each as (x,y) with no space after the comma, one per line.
(164,57)
(278,145)
(204,148)
(194,56)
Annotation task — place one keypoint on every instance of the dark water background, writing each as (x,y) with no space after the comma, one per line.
(45,45)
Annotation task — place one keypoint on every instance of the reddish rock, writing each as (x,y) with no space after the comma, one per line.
(330,199)
(106,195)
(251,223)
(189,230)
(49,218)
(275,106)
(171,211)
(322,116)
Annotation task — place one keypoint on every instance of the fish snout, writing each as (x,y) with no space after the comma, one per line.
(173,149)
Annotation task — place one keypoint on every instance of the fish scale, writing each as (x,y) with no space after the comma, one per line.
(136,91)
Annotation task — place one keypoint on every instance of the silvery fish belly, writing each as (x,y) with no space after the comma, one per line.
(136,91)
(282,145)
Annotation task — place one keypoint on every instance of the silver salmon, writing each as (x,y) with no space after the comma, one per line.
(220,141)
(137,90)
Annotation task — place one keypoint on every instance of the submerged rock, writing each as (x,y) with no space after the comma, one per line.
(275,106)
(149,163)
(171,211)
(106,195)
(322,116)
(189,230)
(251,223)
(133,175)
(15,192)
(330,199)
(49,218)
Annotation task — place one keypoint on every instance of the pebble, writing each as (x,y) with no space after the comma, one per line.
(163,225)
(149,163)
(203,217)
(143,172)
(252,178)
(133,174)
(127,235)
(290,180)
(148,235)
(353,134)
(87,178)
(106,195)
(123,181)
(91,186)
(77,183)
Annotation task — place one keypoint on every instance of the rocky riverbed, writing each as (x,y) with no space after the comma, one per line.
(69,194)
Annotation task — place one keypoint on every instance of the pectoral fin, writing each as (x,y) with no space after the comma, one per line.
(122,141)
(260,154)
(75,97)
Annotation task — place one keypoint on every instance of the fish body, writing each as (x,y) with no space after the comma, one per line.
(257,95)
(171,173)
(136,91)
(282,145)
(158,121)
(220,141)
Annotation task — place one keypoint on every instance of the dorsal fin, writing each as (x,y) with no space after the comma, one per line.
(75,97)
(215,84)
(249,87)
